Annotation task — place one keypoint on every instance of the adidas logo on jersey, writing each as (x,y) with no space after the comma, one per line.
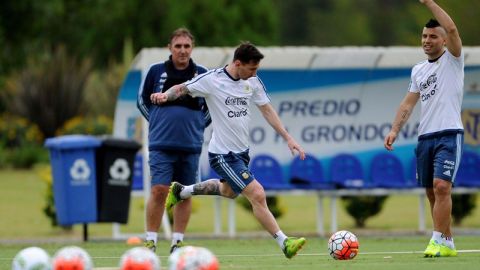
(447,173)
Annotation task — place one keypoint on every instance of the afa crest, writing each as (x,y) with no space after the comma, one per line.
(245,175)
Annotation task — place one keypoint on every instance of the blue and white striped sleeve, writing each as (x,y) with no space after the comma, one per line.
(143,96)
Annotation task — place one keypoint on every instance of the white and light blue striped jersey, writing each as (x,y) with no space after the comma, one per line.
(228,101)
(440,84)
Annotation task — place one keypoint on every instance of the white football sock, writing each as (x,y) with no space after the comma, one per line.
(186,192)
(152,236)
(448,241)
(176,236)
(280,238)
(437,236)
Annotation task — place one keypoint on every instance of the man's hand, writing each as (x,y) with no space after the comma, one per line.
(389,140)
(294,146)
(158,98)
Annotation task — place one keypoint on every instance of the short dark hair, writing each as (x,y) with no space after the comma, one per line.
(182,31)
(432,23)
(247,52)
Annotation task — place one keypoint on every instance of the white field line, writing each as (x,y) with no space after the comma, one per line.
(277,254)
(311,254)
(301,254)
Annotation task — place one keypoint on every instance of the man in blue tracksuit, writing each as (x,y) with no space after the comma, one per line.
(175,135)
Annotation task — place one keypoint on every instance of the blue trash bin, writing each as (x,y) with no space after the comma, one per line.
(74,178)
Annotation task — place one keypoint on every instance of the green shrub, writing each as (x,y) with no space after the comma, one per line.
(98,125)
(45,174)
(102,89)
(3,158)
(17,131)
(462,206)
(20,143)
(25,157)
(49,90)
(363,207)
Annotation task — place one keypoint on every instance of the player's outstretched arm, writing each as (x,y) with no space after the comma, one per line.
(273,119)
(172,93)
(454,42)
(403,113)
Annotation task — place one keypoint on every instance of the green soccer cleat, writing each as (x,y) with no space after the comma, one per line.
(446,251)
(150,245)
(433,249)
(292,245)
(178,245)
(173,196)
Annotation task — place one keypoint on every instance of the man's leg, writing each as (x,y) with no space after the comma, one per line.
(431,201)
(154,214)
(255,194)
(181,215)
(155,206)
(442,215)
(442,208)
(441,243)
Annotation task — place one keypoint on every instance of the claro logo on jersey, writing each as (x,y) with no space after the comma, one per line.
(234,114)
(426,88)
(471,123)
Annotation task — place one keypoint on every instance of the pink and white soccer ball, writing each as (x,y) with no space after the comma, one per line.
(343,245)
(192,258)
(72,258)
(139,258)
(32,258)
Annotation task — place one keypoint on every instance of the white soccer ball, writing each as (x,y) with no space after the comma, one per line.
(139,258)
(32,258)
(192,258)
(72,257)
(343,245)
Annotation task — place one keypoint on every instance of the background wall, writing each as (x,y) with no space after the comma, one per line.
(332,100)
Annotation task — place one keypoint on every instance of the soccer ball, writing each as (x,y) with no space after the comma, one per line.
(139,258)
(192,258)
(32,258)
(343,245)
(72,258)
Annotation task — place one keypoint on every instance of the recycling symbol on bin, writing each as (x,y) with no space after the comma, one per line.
(80,171)
(119,172)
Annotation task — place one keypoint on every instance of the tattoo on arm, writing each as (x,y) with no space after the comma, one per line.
(211,187)
(176,91)
(402,119)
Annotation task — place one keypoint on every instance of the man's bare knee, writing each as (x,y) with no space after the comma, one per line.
(442,187)
(159,191)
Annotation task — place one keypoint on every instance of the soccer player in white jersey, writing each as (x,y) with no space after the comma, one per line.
(438,83)
(229,91)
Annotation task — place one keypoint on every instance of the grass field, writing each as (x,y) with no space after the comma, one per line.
(23,224)
(375,253)
(22,197)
